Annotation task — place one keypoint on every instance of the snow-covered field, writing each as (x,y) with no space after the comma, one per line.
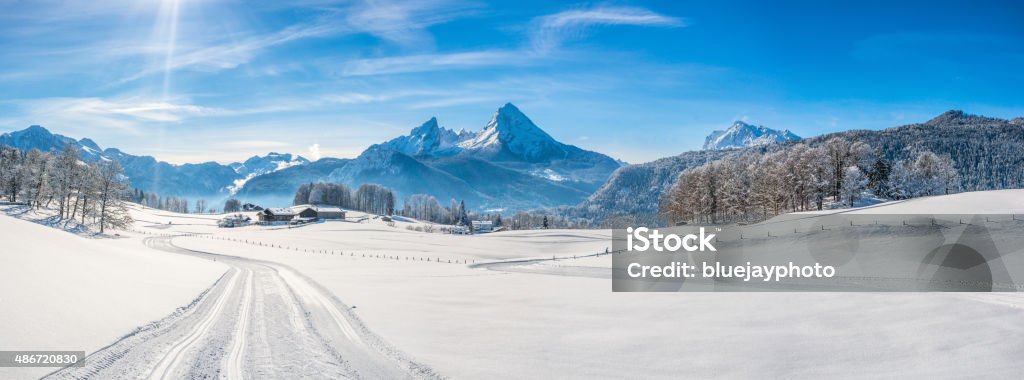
(976,202)
(60,291)
(423,298)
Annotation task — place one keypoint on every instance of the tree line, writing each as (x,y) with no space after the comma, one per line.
(754,186)
(378,199)
(89,193)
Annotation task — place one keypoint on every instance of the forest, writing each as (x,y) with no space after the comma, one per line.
(755,186)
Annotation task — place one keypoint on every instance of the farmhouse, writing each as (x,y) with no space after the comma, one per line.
(305,212)
(276,215)
(483,226)
(329,212)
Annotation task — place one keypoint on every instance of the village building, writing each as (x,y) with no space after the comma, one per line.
(329,212)
(483,226)
(276,215)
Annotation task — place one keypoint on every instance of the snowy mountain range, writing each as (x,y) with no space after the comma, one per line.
(743,135)
(511,164)
(208,180)
(259,165)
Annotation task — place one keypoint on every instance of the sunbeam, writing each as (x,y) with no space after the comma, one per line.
(168,18)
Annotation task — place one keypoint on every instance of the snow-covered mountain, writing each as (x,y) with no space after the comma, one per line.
(40,138)
(259,165)
(208,180)
(511,136)
(511,163)
(428,139)
(272,162)
(743,135)
(511,139)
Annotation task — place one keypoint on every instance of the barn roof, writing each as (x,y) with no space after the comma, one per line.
(281,211)
(327,209)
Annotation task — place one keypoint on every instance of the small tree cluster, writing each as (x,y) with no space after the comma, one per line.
(369,197)
(427,208)
(172,204)
(927,174)
(232,205)
(90,193)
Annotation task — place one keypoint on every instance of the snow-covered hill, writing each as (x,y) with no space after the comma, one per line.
(742,135)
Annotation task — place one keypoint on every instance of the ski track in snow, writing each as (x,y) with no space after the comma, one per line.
(235,369)
(259,320)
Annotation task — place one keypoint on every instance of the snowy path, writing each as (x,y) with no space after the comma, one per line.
(260,320)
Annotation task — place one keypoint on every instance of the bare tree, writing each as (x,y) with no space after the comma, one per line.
(111,192)
(232,205)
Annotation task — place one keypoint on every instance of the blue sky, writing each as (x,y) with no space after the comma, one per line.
(199,80)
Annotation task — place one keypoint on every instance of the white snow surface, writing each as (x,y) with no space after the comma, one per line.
(559,319)
(1010,201)
(61,291)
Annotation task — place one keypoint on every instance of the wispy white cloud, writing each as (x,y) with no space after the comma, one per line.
(552,30)
(433,62)
(547,34)
(403,22)
(124,114)
(229,55)
(255,144)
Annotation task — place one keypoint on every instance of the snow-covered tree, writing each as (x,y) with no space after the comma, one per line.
(425,207)
(334,194)
(11,163)
(34,177)
(201,206)
(111,191)
(302,194)
(63,175)
(854,183)
(374,198)
(927,174)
